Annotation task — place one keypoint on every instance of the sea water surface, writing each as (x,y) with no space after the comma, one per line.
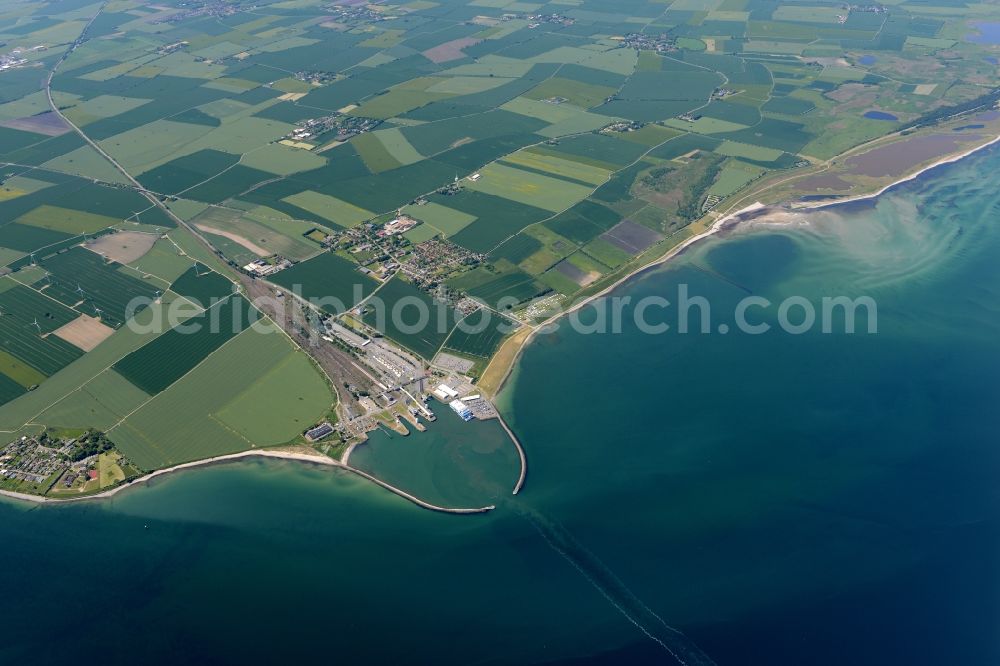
(778,499)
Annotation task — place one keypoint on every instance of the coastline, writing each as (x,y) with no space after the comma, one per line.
(724,221)
(947,159)
(719,225)
(146,478)
(262,453)
(716,227)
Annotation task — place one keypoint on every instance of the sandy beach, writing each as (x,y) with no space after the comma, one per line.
(315,459)
(143,480)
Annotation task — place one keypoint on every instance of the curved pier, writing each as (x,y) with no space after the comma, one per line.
(520,454)
(416,500)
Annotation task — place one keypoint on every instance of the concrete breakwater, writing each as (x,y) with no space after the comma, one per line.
(283,455)
(520,454)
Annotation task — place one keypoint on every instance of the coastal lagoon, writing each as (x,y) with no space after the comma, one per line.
(880,115)
(985,32)
(822,499)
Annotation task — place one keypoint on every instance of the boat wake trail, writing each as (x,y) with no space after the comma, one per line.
(679,646)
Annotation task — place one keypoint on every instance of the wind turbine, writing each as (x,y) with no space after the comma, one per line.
(79,289)
(33,259)
(98,311)
(36,325)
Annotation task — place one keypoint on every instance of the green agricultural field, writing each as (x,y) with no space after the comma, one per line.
(293,389)
(9,389)
(705,125)
(575,92)
(241,135)
(410,317)
(186,208)
(503,285)
(554,247)
(584,221)
(620,61)
(85,368)
(19,371)
(144,148)
(556,166)
(533,189)
(227,184)
(586,263)
(606,253)
(72,222)
(329,208)
(202,285)
(102,106)
(563,118)
(17,186)
(374,153)
(398,147)
(163,260)
(601,150)
(466,85)
(166,359)
(497,219)
(269,236)
(734,149)
(421,233)
(100,403)
(734,175)
(480,334)
(186,422)
(493,65)
(28,342)
(196,251)
(85,281)
(281,160)
(86,163)
(396,102)
(331,282)
(446,221)
(517,248)
(185,172)
(648,135)
(25,238)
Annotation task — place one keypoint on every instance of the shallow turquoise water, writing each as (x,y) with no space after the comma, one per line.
(781,499)
(453,464)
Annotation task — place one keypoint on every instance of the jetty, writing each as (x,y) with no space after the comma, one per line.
(520,453)
(416,500)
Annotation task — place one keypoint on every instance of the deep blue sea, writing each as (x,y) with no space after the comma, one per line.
(780,499)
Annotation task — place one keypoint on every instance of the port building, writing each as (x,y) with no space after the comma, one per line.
(445,392)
